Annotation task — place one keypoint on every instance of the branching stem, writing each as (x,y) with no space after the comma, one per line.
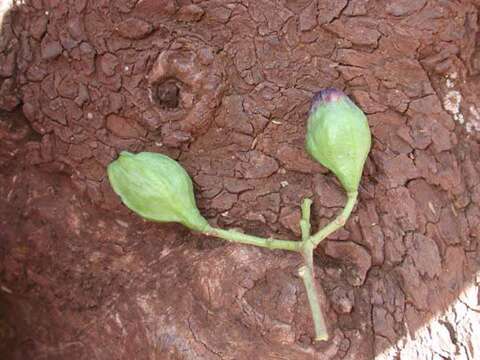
(305,247)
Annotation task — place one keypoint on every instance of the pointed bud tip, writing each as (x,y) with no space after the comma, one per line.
(126,153)
(325,96)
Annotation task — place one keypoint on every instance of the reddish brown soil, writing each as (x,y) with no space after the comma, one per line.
(224,87)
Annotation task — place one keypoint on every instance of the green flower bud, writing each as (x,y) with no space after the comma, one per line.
(338,136)
(156,187)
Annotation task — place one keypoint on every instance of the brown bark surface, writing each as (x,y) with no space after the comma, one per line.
(224,87)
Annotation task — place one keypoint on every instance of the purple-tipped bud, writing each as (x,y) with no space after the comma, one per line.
(338,136)
(326,96)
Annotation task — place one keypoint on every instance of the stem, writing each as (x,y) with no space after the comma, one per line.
(238,237)
(338,222)
(306,246)
(305,221)
(321,332)
(307,275)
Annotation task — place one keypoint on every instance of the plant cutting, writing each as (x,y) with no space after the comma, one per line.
(157,187)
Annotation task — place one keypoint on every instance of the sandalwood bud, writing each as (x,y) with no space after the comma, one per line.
(156,187)
(338,136)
